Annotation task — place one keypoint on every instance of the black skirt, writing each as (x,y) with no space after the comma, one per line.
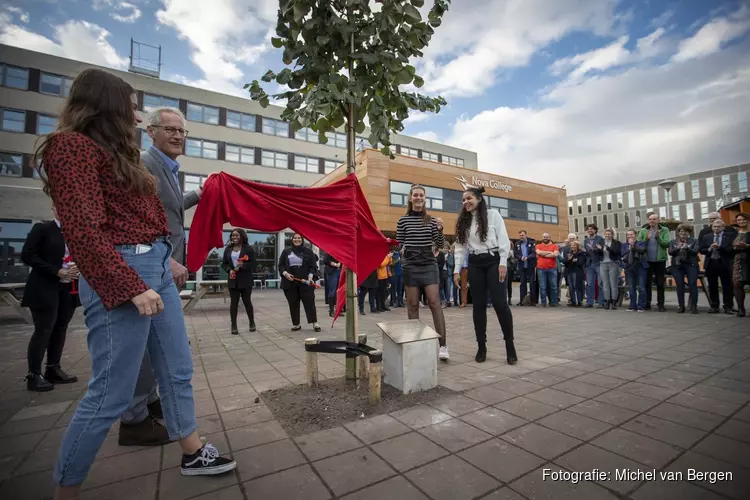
(421,275)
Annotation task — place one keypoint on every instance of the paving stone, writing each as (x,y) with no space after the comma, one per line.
(711,391)
(574,424)
(659,490)
(542,378)
(518,387)
(173,485)
(408,451)
(377,428)
(493,420)
(300,483)
(535,486)
(31,486)
(115,469)
(743,414)
(256,434)
(664,430)
(601,380)
(636,447)
(489,395)
(723,408)
(648,391)
(454,435)
(457,405)
(247,416)
(735,429)
(541,441)
(501,459)
(420,416)
(140,488)
(526,408)
(555,398)
(588,458)
(725,449)
(602,411)
(451,478)
(686,416)
(352,470)
(231,493)
(327,443)
(580,388)
(267,458)
(29,425)
(735,488)
(23,443)
(503,494)
(396,488)
(623,399)
(41,410)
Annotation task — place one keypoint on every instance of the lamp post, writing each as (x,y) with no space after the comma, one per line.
(667,186)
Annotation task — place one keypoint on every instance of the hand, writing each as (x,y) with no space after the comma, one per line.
(439,224)
(740,244)
(64,274)
(523,259)
(310,278)
(714,245)
(179,273)
(149,303)
(649,234)
(74,272)
(598,246)
(287,276)
(457,280)
(502,272)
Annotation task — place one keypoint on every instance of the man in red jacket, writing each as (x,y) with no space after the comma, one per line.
(546,263)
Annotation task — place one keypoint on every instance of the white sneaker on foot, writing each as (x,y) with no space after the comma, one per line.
(443,353)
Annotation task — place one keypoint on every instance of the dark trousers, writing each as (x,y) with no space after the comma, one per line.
(361,298)
(397,290)
(575,285)
(50,329)
(655,274)
(679,273)
(528,278)
(716,271)
(509,281)
(234,302)
(382,293)
(483,277)
(297,293)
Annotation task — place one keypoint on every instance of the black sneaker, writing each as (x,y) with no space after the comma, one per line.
(35,382)
(206,462)
(252,327)
(56,375)
(154,409)
(481,353)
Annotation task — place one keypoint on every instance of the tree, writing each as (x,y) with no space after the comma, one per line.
(348,63)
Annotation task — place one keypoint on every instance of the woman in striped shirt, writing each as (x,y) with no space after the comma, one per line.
(416,232)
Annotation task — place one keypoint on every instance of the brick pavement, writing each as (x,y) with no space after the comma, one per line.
(592,389)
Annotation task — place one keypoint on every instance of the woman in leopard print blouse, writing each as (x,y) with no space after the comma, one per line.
(117,233)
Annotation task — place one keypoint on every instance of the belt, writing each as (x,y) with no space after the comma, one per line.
(491,251)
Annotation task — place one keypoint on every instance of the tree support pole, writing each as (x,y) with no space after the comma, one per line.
(351,277)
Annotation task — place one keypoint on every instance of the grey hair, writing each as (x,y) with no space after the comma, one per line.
(154,116)
(719,221)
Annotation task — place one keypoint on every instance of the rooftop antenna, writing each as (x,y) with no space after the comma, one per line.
(145,59)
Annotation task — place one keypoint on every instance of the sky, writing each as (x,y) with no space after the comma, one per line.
(586,94)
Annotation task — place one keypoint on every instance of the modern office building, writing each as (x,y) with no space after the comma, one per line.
(691,198)
(226,133)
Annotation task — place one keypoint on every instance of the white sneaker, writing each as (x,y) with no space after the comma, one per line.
(443,353)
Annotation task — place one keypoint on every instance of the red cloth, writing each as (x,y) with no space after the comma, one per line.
(336,218)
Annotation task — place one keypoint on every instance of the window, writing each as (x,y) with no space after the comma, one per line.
(663,212)
(307,135)
(585,222)
(725,185)
(201,113)
(305,164)
(193,182)
(642,193)
(627,219)
(336,139)
(146,141)
(434,198)
(453,161)
(12,120)
(199,148)
(742,182)
(275,127)
(617,222)
(331,165)
(153,101)
(14,77)
(413,152)
(500,204)
(637,217)
(609,202)
(274,159)
(534,212)
(11,164)
(550,214)
(588,205)
(426,155)
(580,207)
(595,221)
(55,85)
(631,199)
(681,191)
(690,213)
(704,210)
(575,224)
(399,193)
(239,154)
(570,208)
(241,120)
(45,124)
(655,195)
(676,212)
(696,189)
(598,203)
(604,221)
(710,187)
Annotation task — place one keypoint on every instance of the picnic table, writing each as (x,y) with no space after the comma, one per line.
(8,296)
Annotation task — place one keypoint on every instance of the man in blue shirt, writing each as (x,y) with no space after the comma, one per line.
(525,253)
(592,243)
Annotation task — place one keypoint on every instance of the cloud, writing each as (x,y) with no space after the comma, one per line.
(77,40)
(714,35)
(427,135)
(23,16)
(603,58)
(124,12)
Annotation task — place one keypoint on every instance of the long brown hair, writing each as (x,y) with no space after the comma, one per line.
(99,106)
(426,218)
(463,223)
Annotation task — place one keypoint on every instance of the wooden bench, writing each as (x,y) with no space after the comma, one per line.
(8,296)
(202,288)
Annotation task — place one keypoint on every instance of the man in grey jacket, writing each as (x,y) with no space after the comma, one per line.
(166,127)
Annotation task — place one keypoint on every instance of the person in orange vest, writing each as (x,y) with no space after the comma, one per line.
(384,274)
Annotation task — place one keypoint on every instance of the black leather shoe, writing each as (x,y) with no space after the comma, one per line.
(154,409)
(481,353)
(146,433)
(662,309)
(252,327)
(56,375)
(713,310)
(510,350)
(680,309)
(694,310)
(606,305)
(35,382)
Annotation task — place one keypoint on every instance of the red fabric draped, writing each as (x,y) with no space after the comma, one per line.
(336,218)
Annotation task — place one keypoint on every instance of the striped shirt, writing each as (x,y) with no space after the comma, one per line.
(410,232)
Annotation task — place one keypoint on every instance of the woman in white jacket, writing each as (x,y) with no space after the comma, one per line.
(481,233)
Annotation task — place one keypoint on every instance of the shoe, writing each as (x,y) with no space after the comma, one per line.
(387,309)
(629,309)
(56,375)
(510,352)
(481,353)
(206,462)
(544,305)
(235,331)
(713,310)
(316,328)
(147,433)
(35,382)
(154,409)
(606,305)
(694,310)
(330,312)
(728,310)
(443,353)
(641,310)
(662,309)
(252,327)
(741,313)
(680,309)
(589,306)
(297,328)
(374,311)
(647,308)
(362,312)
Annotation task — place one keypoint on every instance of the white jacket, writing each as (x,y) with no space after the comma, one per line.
(497,238)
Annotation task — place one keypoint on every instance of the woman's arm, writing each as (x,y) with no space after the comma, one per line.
(437,236)
(226,260)
(31,250)
(503,241)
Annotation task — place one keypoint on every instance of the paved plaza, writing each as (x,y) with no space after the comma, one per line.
(606,390)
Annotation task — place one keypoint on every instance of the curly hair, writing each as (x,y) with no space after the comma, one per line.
(463,224)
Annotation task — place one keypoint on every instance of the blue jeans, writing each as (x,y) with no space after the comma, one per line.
(371,292)
(592,276)
(679,273)
(636,279)
(547,277)
(117,341)
(397,290)
(575,284)
(332,283)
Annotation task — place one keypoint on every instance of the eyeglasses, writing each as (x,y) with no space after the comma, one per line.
(172,130)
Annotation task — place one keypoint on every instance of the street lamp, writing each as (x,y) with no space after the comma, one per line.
(667,186)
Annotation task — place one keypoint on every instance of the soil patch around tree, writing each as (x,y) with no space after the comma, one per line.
(301,409)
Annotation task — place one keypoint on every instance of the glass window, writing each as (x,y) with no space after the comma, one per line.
(696,189)
(627,219)
(399,193)
(663,212)
(12,120)
(595,221)
(199,148)
(742,182)
(655,194)
(585,222)
(275,127)
(305,164)
(193,182)
(681,191)
(11,165)
(598,203)
(710,187)
(201,113)
(274,159)
(534,212)
(619,200)
(604,221)
(580,207)
(55,85)
(588,205)
(450,160)
(241,120)
(306,134)
(642,194)
(570,208)
(336,139)
(631,199)
(725,185)
(331,165)
(146,141)
(617,221)
(676,212)
(704,210)
(637,217)
(239,154)
(14,77)
(575,222)
(609,202)
(426,155)
(153,101)
(690,212)
(45,124)
(413,152)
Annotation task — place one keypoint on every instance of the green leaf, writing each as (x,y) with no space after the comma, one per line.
(418,82)
(284,77)
(263,102)
(269,76)
(417,3)
(412,14)
(323,40)
(360,127)
(276,42)
(403,77)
